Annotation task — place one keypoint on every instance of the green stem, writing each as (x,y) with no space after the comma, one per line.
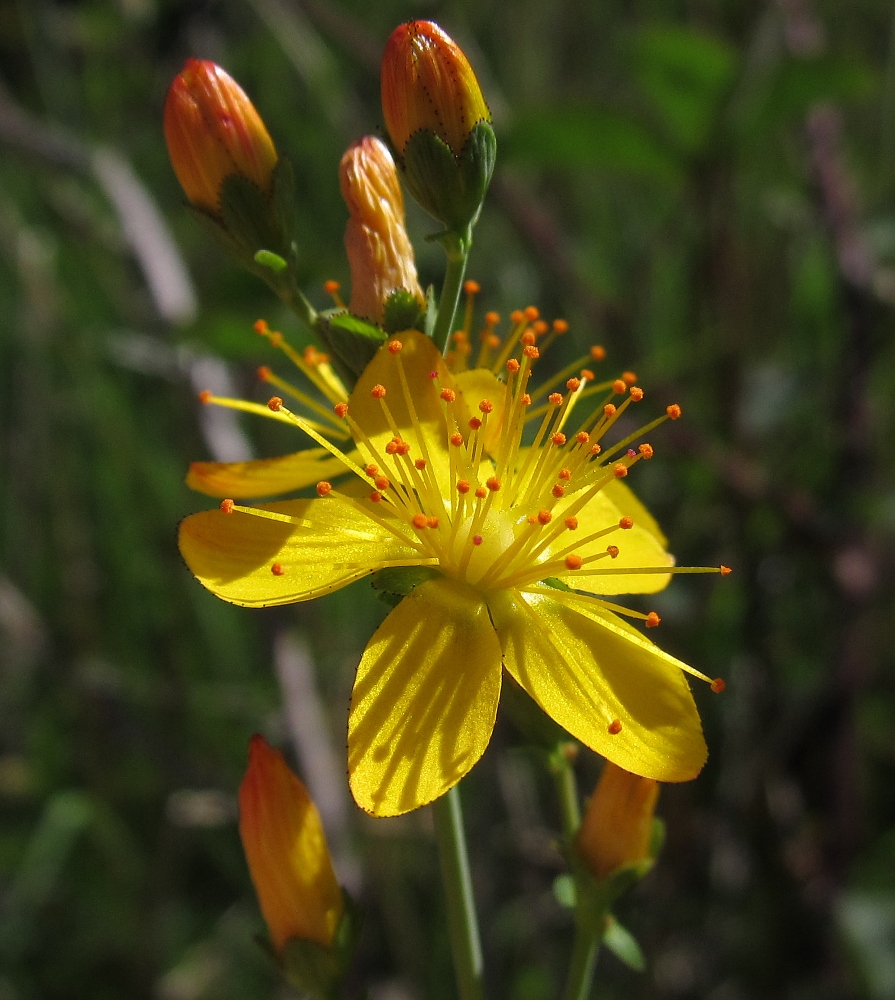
(584,957)
(567,792)
(462,922)
(456,246)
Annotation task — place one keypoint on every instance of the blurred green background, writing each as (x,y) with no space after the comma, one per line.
(707,187)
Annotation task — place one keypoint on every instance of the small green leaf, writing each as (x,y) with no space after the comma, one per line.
(564,891)
(623,945)
(272,261)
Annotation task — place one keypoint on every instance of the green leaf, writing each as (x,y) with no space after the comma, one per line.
(564,891)
(352,341)
(623,945)
(402,312)
(398,581)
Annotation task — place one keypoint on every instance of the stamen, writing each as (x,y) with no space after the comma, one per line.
(227,506)
(718,685)
(652,620)
(277,569)
(332,290)
(614,727)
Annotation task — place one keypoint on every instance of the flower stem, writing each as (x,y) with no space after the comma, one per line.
(567,792)
(585,949)
(456,246)
(462,922)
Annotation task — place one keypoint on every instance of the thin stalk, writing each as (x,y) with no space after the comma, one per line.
(462,922)
(456,246)
(585,949)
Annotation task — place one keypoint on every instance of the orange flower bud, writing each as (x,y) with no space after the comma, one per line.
(427,83)
(618,825)
(286,850)
(213,130)
(379,251)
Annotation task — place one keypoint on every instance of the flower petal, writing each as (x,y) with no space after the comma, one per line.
(305,549)
(419,358)
(425,699)
(477,384)
(586,668)
(265,477)
(640,546)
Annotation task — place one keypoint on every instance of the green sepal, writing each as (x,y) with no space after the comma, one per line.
(556,584)
(394,583)
(450,188)
(402,312)
(565,891)
(316,969)
(351,341)
(622,943)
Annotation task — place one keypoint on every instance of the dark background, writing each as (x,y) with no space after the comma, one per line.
(707,187)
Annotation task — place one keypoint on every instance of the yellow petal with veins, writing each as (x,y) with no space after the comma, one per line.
(588,669)
(265,477)
(425,699)
(301,549)
(477,384)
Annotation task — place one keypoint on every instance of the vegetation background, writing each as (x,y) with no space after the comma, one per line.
(707,187)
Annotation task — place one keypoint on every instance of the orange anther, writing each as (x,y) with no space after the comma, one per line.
(493,341)
(375,497)
(619,387)
(626,523)
(652,620)
(555,398)
(571,523)
(540,327)
(573,562)
(378,391)
(726,570)
(517,316)
(559,439)
(331,287)
(459,337)
(481,492)
(420,521)
(260,326)
(420,464)
(544,517)
(394,346)
(532,313)
(477,540)
(673,411)
(531,352)
(614,727)
(324,488)
(636,393)
(493,484)
(646,450)
(492,318)
(471,287)
(486,406)
(525,399)
(448,395)
(275,337)
(512,366)
(277,569)
(609,410)
(456,439)
(587,375)
(527,338)
(619,470)
(532,519)
(629,378)
(227,506)
(595,449)
(381,483)
(598,352)
(475,423)
(275,403)
(718,685)
(463,486)
(560,326)
(565,473)
(205,396)
(371,470)
(264,373)
(573,384)
(558,491)
(340,409)
(613,551)
(392,447)
(432,522)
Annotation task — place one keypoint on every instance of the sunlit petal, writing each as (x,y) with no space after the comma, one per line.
(425,699)
(265,477)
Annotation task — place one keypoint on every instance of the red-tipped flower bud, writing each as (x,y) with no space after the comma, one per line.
(379,251)
(618,824)
(213,130)
(286,850)
(438,122)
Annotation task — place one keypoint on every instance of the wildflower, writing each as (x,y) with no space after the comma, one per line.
(286,851)
(379,252)
(496,535)
(438,122)
(618,824)
(213,131)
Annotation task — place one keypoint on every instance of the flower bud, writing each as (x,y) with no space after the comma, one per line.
(618,824)
(213,130)
(286,851)
(438,122)
(379,252)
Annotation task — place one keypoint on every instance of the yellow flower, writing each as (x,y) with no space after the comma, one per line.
(213,130)
(618,824)
(286,850)
(379,252)
(500,531)
(427,83)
